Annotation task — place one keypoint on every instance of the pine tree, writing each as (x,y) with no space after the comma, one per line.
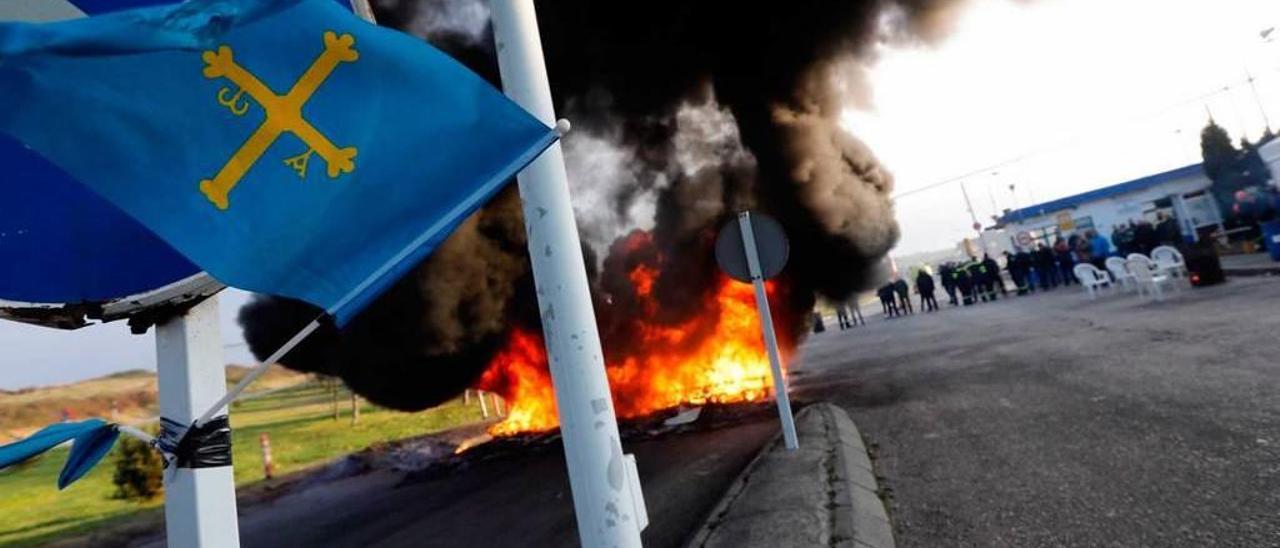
(1217,150)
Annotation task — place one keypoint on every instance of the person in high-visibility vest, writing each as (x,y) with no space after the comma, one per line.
(977,279)
(964,282)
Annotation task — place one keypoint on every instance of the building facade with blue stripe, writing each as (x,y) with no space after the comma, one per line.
(1180,193)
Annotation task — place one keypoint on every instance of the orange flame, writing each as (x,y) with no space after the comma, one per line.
(520,375)
(717,357)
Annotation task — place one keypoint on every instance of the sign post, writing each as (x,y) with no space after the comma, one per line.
(606,489)
(751,249)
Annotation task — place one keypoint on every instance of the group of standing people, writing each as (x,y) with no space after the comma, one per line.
(849,314)
(895,296)
(1141,236)
(1042,266)
(1049,267)
(972,281)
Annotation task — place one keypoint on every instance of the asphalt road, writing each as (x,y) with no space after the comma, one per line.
(1052,420)
(521,499)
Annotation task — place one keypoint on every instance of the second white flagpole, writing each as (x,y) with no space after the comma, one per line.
(606,496)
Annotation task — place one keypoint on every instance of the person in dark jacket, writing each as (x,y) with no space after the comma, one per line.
(904,296)
(1167,232)
(924,286)
(1026,265)
(1014,269)
(1144,238)
(886,295)
(994,279)
(1046,267)
(1123,238)
(1065,262)
(947,272)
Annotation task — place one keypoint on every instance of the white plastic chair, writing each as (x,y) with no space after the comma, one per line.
(1169,259)
(1091,278)
(1120,272)
(1147,276)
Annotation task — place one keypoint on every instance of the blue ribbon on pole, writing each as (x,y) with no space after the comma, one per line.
(91,440)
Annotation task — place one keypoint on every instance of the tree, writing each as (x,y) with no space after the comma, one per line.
(139,470)
(1231,170)
(1217,150)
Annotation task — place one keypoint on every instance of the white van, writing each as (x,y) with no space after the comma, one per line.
(1270,153)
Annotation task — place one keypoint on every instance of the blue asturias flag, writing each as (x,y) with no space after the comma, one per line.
(284,146)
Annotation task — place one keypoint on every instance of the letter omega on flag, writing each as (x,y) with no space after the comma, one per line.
(283,113)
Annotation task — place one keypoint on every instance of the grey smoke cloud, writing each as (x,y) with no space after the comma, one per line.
(684,112)
(614,192)
(468,19)
(608,197)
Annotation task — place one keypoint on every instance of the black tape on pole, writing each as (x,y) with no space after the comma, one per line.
(207,446)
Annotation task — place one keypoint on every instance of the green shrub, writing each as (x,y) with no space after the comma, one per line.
(139,470)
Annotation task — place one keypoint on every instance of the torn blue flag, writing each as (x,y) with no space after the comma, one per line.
(91,440)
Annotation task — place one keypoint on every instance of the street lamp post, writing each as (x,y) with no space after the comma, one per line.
(977,226)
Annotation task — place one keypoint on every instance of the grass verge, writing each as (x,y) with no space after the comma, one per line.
(303,434)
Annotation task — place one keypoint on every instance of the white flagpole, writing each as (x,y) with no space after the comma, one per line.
(199,503)
(606,495)
(362,8)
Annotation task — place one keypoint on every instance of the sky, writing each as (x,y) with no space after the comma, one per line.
(1083,93)
(36,356)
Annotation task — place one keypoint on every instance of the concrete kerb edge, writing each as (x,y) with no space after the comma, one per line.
(860,520)
(864,519)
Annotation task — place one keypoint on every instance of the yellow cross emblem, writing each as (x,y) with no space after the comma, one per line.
(283,113)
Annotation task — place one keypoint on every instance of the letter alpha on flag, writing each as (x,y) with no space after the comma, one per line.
(284,146)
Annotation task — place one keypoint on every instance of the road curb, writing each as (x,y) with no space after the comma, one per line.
(824,494)
(869,522)
(1254,271)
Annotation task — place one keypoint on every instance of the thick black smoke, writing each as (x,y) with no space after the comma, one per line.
(684,112)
